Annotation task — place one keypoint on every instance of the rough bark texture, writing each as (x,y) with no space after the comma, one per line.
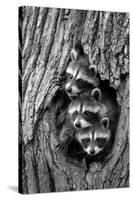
(46,38)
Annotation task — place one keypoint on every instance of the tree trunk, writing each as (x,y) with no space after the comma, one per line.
(46,38)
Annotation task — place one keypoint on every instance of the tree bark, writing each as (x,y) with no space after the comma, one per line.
(46,38)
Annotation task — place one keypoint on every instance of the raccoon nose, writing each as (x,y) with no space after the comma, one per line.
(78,125)
(92,152)
(69,89)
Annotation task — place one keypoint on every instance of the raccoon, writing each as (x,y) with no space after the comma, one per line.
(86,109)
(83,113)
(81,76)
(75,116)
(106,104)
(66,121)
(98,139)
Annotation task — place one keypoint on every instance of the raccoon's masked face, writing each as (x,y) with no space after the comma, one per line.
(95,138)
(84,111)
(80,78)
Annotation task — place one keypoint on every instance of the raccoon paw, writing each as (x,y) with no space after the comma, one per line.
(61,147)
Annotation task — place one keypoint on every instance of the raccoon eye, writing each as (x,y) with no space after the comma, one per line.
(74,115)
(101,141)
(88,140)
(76,112)
(86,113)
(70,76)
(80,81)
(85,141)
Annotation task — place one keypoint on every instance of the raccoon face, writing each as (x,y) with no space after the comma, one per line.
(95,138)
(80,77)
(84,111)
(78,117)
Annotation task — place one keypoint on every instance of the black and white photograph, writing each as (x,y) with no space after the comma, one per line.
(73,99)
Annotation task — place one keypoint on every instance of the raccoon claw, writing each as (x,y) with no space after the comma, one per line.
(58,147)
(61,147)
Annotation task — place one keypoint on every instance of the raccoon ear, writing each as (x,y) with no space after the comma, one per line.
(105,122)
(93,69)
(96,93)
(77,51)
(74,54)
